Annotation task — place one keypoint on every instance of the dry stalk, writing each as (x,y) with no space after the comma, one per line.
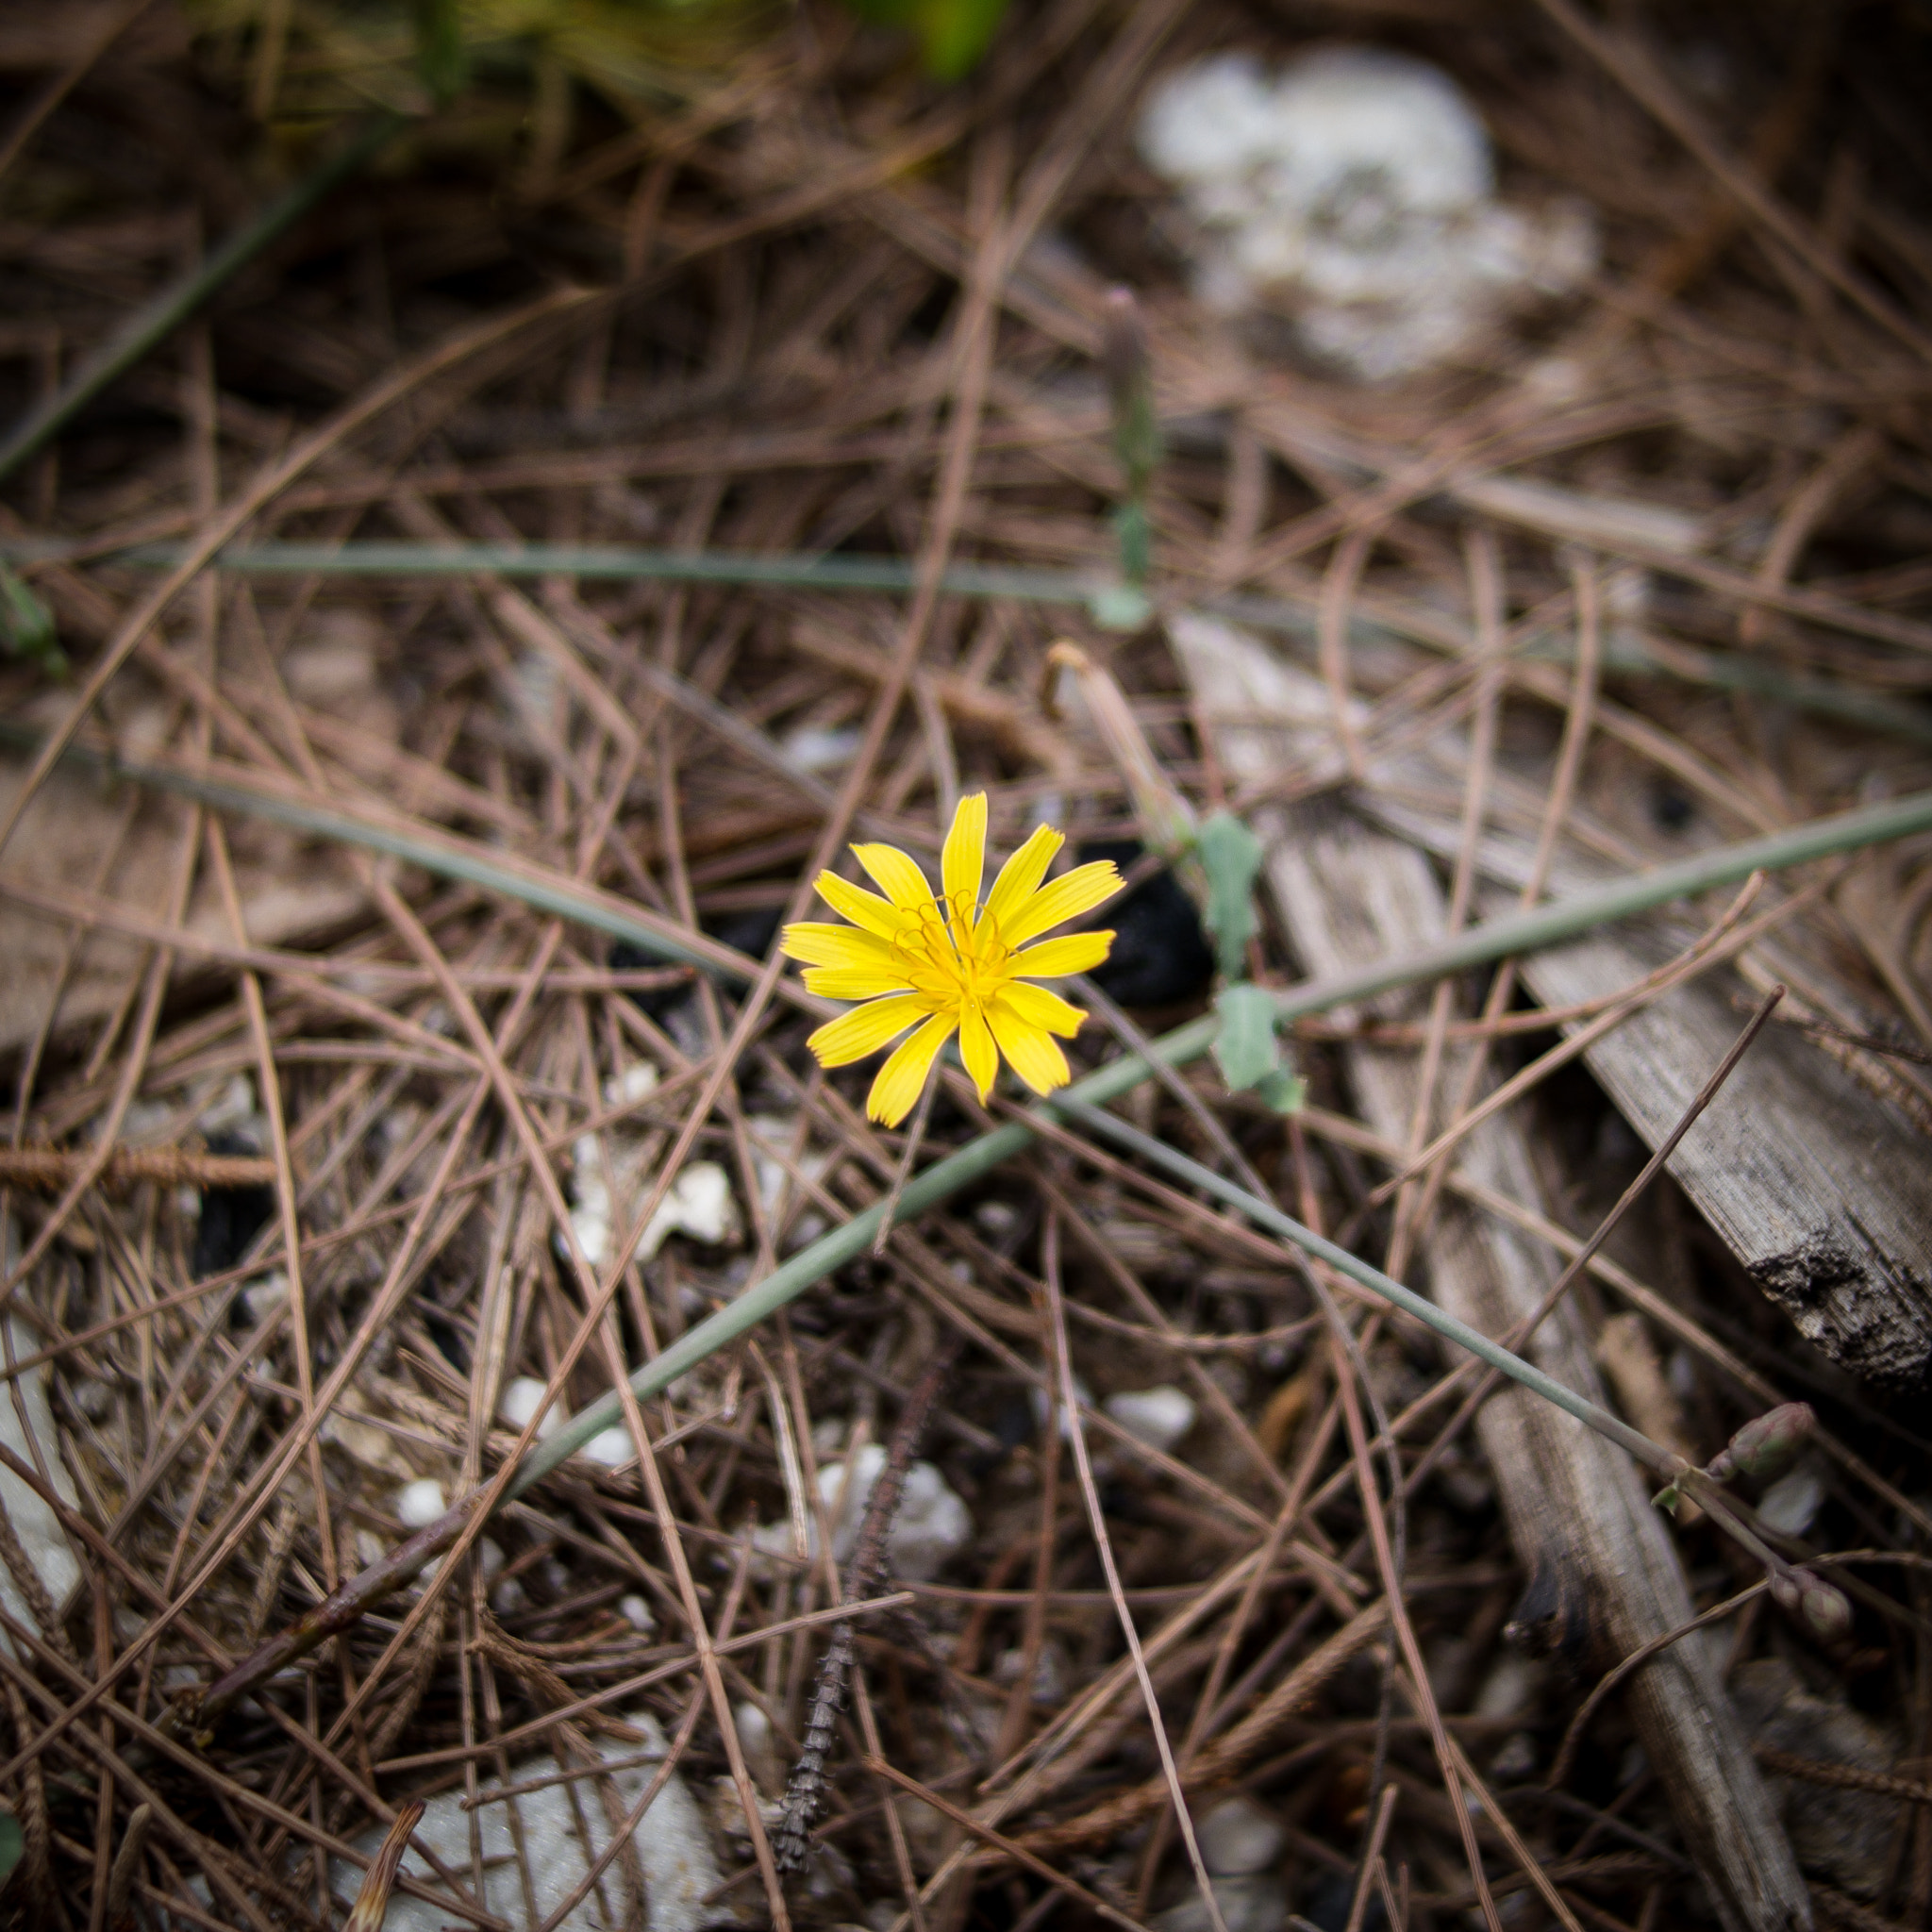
(865,1575)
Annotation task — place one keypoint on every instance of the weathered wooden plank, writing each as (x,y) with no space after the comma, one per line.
(1816,1184)
(1606,1577)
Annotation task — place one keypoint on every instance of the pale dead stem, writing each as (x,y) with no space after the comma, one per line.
(1068,1399)
(1658,1308)
(1489,599)
(1729,935)
(269,481)
(1575,739)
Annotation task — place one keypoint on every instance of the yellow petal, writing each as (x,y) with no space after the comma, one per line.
(902,1076)
(1075,893)
(861,908)
(1020,876)
(863,1030)
(981,1057)
(903,882)
(837,945)
(963,861)
(1035,1055)
(1033,1006)
(1078,952)
(855,982)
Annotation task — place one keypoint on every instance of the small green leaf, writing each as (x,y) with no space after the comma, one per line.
(11,1844)
(1119,606)
(442,62)
(954,33)
(1245,1048)
(1135,538)
(26,627)
(1284,1092)
(1668,1498)
(1230,855)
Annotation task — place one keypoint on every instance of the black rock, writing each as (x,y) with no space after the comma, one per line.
(751,931)
(230,1216)
(1331,1899)
(626,957)
(1160,956)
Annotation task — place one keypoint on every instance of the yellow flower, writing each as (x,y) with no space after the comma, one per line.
(951,965)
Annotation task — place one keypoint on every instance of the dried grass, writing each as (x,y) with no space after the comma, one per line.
(829,309)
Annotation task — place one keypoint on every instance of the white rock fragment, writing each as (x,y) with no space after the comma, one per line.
(821,747)
(263,1297)
(698,1202)
(95,1400)
(632,1087)
(520,1401)
(758,1743)
(1159,1417)
(27,1428)
(1792,1504)
(1044,1404)
(611,1447)
(699,1205)
(231,1111)
(1238,1839)
(637,1613)
(419,1502)
(563,1827)
(1247,1904)
(931,1526)
(1511,1686)
(1353,197)
(771,1135)
(1049,1685)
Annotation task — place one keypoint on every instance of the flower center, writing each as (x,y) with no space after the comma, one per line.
(949,963)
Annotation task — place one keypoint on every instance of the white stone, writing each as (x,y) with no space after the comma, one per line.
(1239,1838)
(756,1740)
(637,1083)
(698,1205)
(520,1402)
(1159,1417)
(637,1613)
(27,1428)
(419,1502)
(95,1400)
(698,1202)
(1044,1404)
(931,1526)
(770,1135)
(821,747)
(1792,1504)
(1511,1686)
(1049,1685)
(612,1447)
(231,1108)
(262,1298)
(1247,1904)
(674,1847)
(1353,195)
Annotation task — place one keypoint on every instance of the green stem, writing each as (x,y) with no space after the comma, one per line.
(1481,945)
(1478,945)
(1265,1214)
(621,563)
(1898,716)
(157,318)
